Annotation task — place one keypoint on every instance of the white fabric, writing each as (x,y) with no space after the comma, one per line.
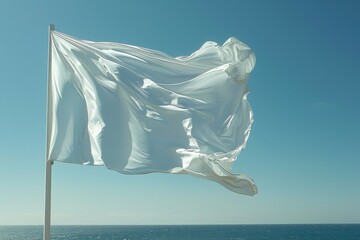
(137,110)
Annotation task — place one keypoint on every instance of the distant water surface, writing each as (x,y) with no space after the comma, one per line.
(188,232)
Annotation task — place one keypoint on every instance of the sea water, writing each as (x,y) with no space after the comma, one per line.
(188,232)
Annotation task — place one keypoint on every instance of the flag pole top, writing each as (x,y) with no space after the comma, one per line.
(51,27)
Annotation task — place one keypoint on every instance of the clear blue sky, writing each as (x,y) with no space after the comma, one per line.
(303,152)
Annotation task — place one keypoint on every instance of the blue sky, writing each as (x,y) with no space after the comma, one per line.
(303,151)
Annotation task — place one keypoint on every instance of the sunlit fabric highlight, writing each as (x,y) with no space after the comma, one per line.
(138,111)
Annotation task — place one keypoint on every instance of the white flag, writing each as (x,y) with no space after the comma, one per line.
(137,110)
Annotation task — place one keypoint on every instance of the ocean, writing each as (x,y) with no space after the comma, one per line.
(188,232)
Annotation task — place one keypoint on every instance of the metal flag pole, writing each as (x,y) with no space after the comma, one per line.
(47,200)
(48,163)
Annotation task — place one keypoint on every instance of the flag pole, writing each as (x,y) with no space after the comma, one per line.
(49,163)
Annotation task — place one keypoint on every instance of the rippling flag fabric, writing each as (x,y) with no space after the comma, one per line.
(138,111)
